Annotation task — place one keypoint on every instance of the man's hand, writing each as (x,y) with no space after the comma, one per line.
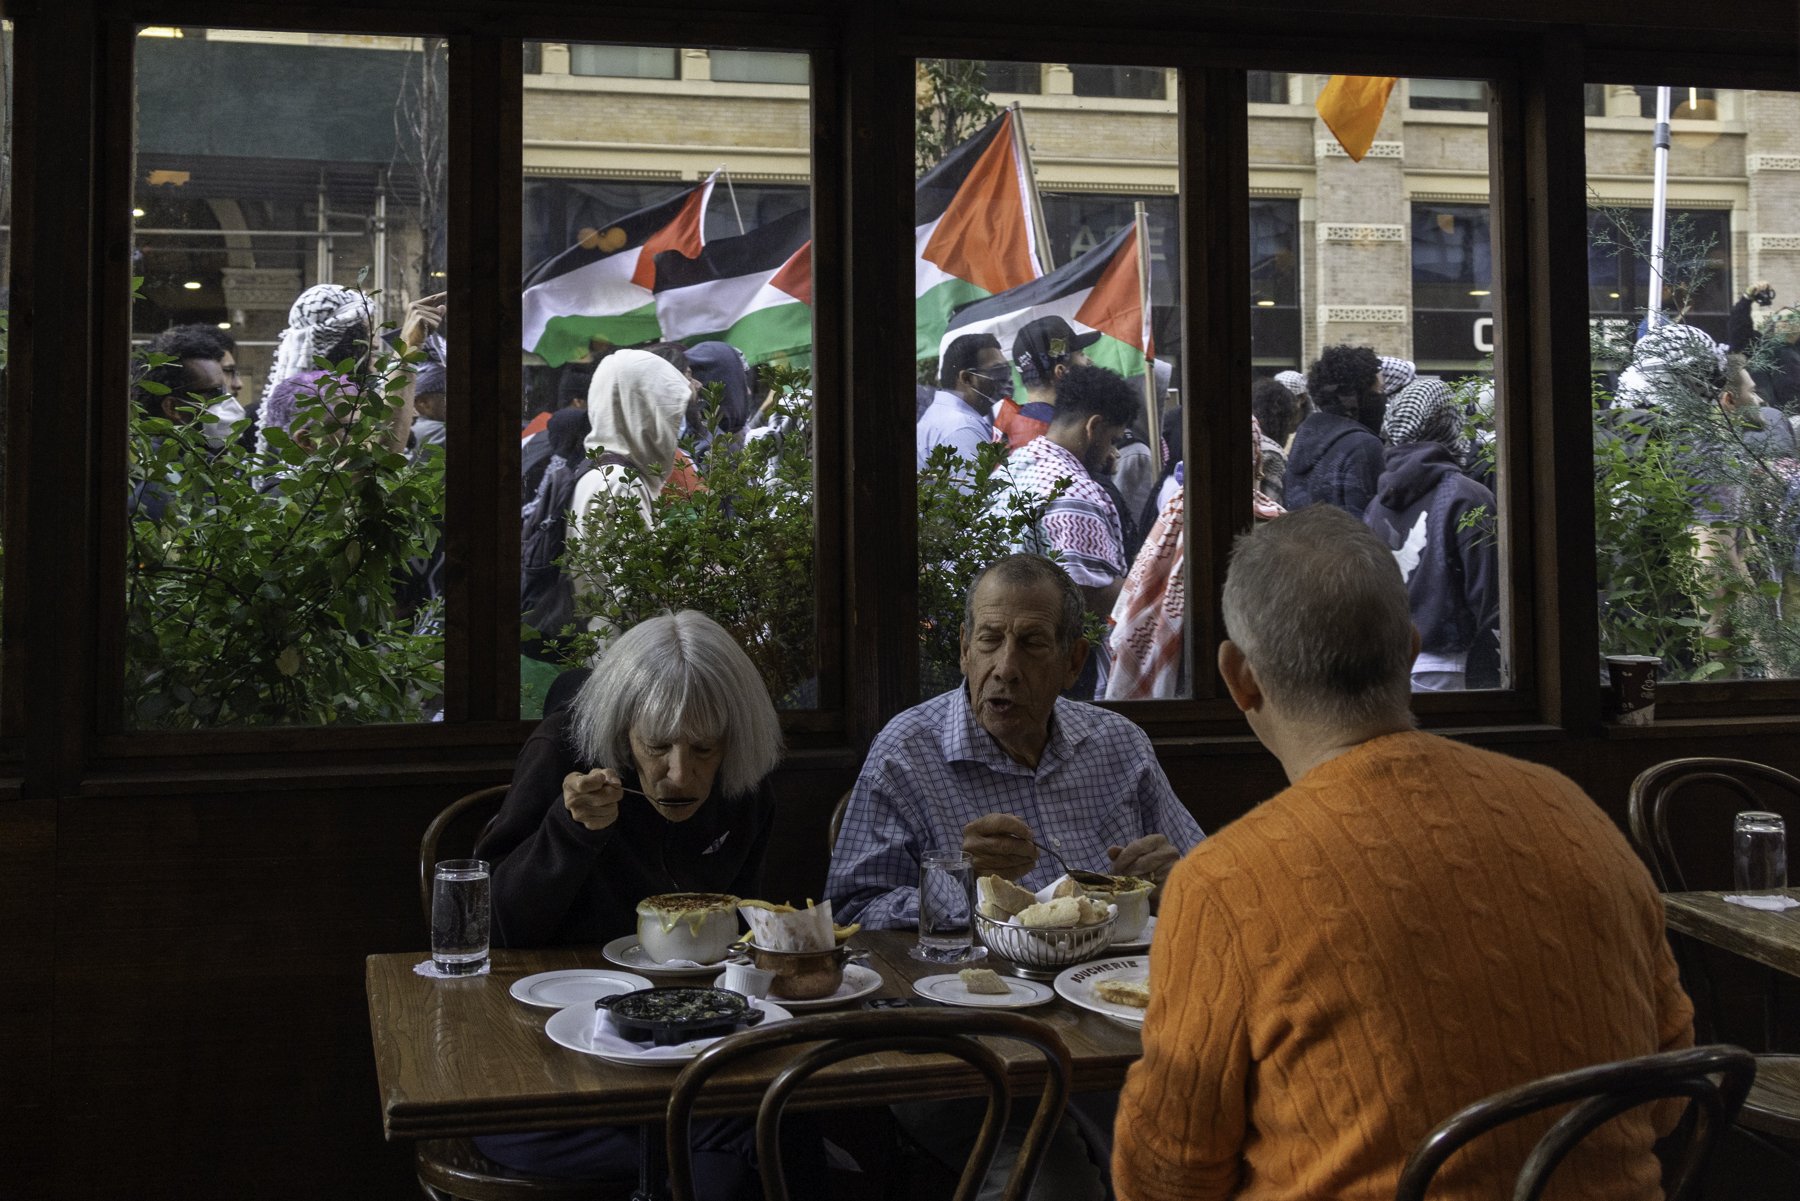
(1148,858)
(990,841)
(593,799)
(422,316)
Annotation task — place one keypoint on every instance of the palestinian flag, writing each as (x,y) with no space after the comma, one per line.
(975,232)
(603,286)
(1098,291)
(753,291)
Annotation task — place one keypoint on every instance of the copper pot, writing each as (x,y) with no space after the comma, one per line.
(802,975)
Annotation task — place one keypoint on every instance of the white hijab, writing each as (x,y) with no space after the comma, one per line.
(636,403)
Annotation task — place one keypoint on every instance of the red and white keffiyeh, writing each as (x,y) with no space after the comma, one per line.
(1150,615)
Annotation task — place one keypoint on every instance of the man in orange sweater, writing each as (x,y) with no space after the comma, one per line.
(1411,926)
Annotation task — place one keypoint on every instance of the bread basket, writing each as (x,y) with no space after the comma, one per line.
(1029,946)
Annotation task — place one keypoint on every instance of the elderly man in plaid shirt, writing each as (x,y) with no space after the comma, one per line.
(1005,765)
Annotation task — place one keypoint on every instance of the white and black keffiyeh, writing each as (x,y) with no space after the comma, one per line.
(1293,381)
(1672,356)
(322,315)
(1396,373)
(1424,411)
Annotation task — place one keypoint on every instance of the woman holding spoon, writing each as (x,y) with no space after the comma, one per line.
(652,781)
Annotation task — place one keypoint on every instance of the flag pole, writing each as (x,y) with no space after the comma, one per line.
(1022,151)
(1659,205)
(1153,434)
(733,191)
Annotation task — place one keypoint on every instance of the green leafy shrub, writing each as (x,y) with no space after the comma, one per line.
(247,607)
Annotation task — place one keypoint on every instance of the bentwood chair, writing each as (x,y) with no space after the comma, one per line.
(473,812)
(837,819)
(1603,1092)
(1698,797)
(842,1036)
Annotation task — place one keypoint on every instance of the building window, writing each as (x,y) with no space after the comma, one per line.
(1700,104)
(1022,78)
(1449,95)
(625,62)
(1593,99)
(1275,284)
(1268,87)
(534,58)
(1452,291)
(1120,83)
(760,66)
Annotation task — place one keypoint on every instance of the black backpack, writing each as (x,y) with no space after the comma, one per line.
(546,594)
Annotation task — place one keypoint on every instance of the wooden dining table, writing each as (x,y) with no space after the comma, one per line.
(461,1057)
(1768,937)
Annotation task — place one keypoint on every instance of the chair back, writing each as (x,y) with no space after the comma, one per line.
(843,1036)
(475,811)
(837,819)
(1604,1091)
(1684,794)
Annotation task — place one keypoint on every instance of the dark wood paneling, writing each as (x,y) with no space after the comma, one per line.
(27,1005)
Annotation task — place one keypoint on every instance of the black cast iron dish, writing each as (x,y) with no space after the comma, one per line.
(669,1017)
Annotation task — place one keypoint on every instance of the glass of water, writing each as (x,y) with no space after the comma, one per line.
(946,906)
(460,906)
(1759,853)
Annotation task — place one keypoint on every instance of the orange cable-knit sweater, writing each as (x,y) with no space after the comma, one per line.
(1413,926)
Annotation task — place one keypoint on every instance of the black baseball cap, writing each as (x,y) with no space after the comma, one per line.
(1044,343)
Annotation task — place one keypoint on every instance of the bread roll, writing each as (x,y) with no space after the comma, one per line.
(1059,914)
(1000,898)
(1066,887)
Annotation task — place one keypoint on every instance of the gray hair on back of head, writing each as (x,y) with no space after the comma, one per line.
(678,676)
(1316,603)
(1029,571)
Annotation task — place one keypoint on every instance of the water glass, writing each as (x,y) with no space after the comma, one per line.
(460,905)
(1759,853)
(946,906)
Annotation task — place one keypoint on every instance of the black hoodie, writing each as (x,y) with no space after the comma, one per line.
(1334,461)
(1452,573)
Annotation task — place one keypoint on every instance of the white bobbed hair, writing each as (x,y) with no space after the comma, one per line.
(682,676)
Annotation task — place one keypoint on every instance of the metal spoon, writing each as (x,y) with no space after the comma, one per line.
(1075,874)
(671,802)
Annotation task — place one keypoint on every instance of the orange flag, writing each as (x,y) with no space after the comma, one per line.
(1351,107)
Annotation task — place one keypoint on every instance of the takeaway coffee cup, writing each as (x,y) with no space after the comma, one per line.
(1634,687)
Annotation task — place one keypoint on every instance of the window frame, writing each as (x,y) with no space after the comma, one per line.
(66,530)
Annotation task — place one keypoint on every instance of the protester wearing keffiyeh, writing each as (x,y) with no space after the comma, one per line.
(1150,615)
(1396,373)
(1425,411)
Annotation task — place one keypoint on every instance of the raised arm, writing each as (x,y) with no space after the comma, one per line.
(541,854)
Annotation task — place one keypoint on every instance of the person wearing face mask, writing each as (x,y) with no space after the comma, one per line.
(193,387)
(972,379)
(653,781)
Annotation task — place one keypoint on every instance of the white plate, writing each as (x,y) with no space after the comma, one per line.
(1140,943)
(1077,985)
(574,1028)
(629,953)
(574,986)
(1020,993)
(859,981)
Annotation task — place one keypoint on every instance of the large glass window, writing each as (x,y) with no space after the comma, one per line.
(285,489)
(1373,340)
(1696,380)
(1047,299)
(666,423)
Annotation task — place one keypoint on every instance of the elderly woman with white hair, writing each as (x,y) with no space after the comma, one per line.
(653,780)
